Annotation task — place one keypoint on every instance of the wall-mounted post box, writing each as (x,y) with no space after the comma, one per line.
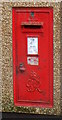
(33,56)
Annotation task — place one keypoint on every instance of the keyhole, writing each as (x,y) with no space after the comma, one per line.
(21,64)
(32,14)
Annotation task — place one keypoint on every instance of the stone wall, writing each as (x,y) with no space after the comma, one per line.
(7,59)
(61,58)
(0,56)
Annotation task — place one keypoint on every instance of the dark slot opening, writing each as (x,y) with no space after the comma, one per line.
(32,26)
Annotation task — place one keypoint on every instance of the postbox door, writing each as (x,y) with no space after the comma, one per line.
(33,56)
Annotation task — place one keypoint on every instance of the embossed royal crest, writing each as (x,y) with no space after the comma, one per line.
(34,83)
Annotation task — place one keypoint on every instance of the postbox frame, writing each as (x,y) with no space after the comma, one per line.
(45,10)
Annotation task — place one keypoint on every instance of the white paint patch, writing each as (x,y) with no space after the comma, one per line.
(32,60)
(32,45)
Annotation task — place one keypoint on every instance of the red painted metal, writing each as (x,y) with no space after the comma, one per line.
(33,84)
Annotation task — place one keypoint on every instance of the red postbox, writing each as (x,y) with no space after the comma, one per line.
(33,56)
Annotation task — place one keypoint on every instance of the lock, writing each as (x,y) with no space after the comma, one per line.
(22,68)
